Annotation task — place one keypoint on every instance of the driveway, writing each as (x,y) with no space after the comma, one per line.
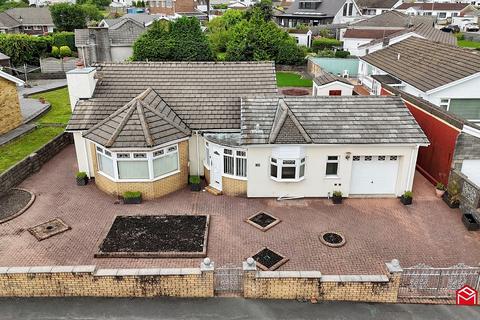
(376,230)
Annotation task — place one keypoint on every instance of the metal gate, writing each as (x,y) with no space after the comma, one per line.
(228,279)
(422,281)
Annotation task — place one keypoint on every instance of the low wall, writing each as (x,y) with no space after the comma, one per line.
(31,164)
(469,193)
(234,187)
(86,281)
(54,65)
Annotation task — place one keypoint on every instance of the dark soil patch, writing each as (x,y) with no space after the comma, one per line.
(13,202)
(268,259)
(263,219)
(295,92)
(144,235)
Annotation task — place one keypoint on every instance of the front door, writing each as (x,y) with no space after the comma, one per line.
(216,167)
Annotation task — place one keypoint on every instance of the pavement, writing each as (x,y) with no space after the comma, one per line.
(32,108)
(222,308)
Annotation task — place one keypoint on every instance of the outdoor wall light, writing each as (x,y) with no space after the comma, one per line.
(347,155)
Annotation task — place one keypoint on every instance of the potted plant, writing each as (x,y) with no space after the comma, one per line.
(132,197)
(470,222)
(195,183)
(452,196)
(406,198)
(82,178)
(440,189)
(337,197)
(42,100)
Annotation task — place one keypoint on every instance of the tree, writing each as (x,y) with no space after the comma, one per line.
(218,29)
(179,40)
(91,12)
(68,17)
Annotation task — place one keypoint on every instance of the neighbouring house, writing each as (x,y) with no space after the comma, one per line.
(121,3)
(328,84)
(10,113)
(376,7)
(33,21)
(114,42)
(171,7)
(445,75)
(302,36)
(4,62)
(148,126)
(318,12)
(241,4)
(142,18)
(440,10)
(44,3)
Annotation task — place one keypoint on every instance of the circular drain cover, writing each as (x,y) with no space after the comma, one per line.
(332,239)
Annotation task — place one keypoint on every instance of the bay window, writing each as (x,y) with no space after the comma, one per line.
(287,169)
(142,166)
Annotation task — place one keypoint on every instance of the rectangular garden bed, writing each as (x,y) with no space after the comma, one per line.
(165,236)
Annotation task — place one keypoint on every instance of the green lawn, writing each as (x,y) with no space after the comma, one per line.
(468,44)
(291,79)
(48,128)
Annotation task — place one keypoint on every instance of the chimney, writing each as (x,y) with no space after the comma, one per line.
(81,83)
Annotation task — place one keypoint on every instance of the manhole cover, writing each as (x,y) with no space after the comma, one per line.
(263,221)
(268,259)
(332,239)
(49,229)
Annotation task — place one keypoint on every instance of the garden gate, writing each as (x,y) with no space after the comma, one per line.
(228,279)
(422,281)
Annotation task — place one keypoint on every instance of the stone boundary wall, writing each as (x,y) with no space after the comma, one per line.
(32,163)
(87,281)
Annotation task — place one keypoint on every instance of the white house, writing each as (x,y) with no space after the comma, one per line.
(121,3)
(303,37)
(328,84)
(151,136)
(445,75)
(370,8)
(441,10)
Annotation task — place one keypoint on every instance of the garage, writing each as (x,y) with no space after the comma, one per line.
(374,175)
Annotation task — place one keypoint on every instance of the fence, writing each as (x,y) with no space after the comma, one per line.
(54,65)
(318,65)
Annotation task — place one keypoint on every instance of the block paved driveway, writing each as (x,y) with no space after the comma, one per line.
(377,230)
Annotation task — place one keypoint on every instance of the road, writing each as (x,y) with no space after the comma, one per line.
(220,308)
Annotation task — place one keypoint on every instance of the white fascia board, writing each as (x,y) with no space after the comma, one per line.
(11,78)
(470,77)
(471,131)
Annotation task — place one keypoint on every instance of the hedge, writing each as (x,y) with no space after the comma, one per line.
(325,43)
(22,48)
(65,38)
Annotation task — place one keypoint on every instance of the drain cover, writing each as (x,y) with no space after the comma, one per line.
(49,229)
(268,259)
(332,239)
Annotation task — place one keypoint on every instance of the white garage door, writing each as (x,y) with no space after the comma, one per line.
(374,174)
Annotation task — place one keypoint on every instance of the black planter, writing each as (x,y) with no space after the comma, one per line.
(406,200)
(337,200)
(470,223)
(82,181)
(453,204)
(134,200)
(195,187)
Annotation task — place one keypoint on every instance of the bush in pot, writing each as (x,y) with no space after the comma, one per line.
(132,197)
(452,196)
(337,197)
(195,183)
(407,198)
(82,178)
(440,189)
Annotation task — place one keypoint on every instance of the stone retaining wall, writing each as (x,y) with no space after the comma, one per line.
(86,281)
(31,164)
(469,193)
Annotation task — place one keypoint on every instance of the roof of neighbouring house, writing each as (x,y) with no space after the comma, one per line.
(329,120)
(369,33)
(386,79)
(144,122)
(4,56)
(327,78)
(392,20)
(7,22)
(205,95)
(434,6)
(143,18)
(424,64)
(383,4)
(31,16)
(11,78)
(424,31)
(326,9)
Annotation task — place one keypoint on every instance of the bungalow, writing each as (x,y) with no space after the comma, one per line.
(10,112)
(32,21)
(441,10)
(445,75)
(148,126)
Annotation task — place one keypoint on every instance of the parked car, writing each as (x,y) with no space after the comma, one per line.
(471,27)
(451,28)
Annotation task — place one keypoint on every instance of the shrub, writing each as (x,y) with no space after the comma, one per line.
(132,194)
(341,54)
(65,51)
(337,193)
(408,194)
(60,39)
(325,43)
(440,186)
(55,52)
(81,175)
(194,180)
(326,53)
(22,48)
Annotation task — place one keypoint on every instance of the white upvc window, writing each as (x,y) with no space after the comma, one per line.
(207,154)
(287,169)
(138,165)
(332,166)
(235,162)
(444,103)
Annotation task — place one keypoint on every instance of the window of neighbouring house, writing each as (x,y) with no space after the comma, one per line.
(287,169)
(444,103)
(335,92)
(442,15)
(166,162)
(466,108)
(105,162)
(332,166)
(131,169)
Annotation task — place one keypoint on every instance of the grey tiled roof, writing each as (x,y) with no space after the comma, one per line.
(424,64)
(327,78)
(7,22)
(385,4)
(146,121)
(327,8)
(205,95)
(433,6)
(393,20)
(32,16)
(334,120)
(4,56)
(386,79)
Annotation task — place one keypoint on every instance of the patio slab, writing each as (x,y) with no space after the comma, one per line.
(376,230)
